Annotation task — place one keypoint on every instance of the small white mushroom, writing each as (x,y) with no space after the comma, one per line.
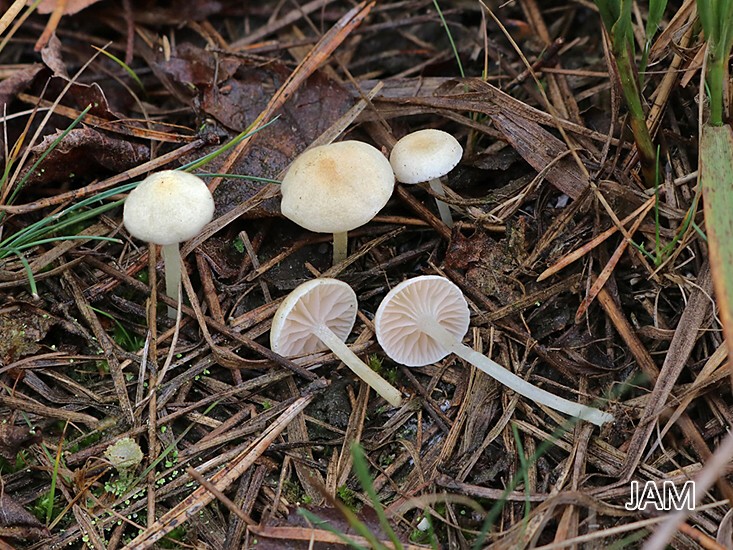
(422,320)
(167,208)
(336,188)
(427,155)
(319,315)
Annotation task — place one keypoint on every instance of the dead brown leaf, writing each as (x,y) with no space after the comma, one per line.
(17,523)
(235,91)
(83,153)
(51,55)
(15,438)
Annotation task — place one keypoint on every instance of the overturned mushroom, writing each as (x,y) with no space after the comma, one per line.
(423,319)
(319,315)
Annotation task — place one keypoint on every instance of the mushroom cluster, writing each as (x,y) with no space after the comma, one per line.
(341,186)
(338,187)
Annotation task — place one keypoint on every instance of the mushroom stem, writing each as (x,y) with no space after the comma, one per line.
(340,247)
(342,351)
(443,209)
(172,268)
(509,379)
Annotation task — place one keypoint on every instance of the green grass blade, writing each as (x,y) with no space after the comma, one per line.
(29,272)
(193,165)
(450,38)
(122,64)
(240,177)
(361,469)
(496,509)
(47,152)
(716,18)
(524,471)
(656,11)
(716,180)
(43,227)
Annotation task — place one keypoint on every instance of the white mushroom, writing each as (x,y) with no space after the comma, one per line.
(319,315)
(336,188)
(427,155)
(423,319)
(167,208)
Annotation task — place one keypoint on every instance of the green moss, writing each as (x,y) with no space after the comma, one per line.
(293,492)
(348,497)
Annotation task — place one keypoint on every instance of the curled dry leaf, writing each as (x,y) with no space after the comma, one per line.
(19,81)
(15,438)
(17,523)
(51,55)
(83,153)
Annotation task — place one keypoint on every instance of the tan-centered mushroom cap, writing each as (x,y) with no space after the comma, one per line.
(321,301)
(338,187)
(425,155)
(168,207)
(397,321)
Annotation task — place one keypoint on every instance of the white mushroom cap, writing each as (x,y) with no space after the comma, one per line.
(338,187)
(398,325)
(425,155)
(168,207)
(321,301)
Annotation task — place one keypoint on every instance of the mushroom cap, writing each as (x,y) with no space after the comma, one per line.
(337,187)
(398,319)
(425,155)
(321,301)
(168,207)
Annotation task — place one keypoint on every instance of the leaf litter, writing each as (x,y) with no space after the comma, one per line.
(548,176)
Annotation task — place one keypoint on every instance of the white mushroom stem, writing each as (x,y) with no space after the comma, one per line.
(172,268)
(443,209)
(342,351)
(340,247)
(431,327)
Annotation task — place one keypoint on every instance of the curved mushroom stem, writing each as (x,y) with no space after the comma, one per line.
(443,209)
(172,268)
(340,247)
(342,351)
(511,380)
